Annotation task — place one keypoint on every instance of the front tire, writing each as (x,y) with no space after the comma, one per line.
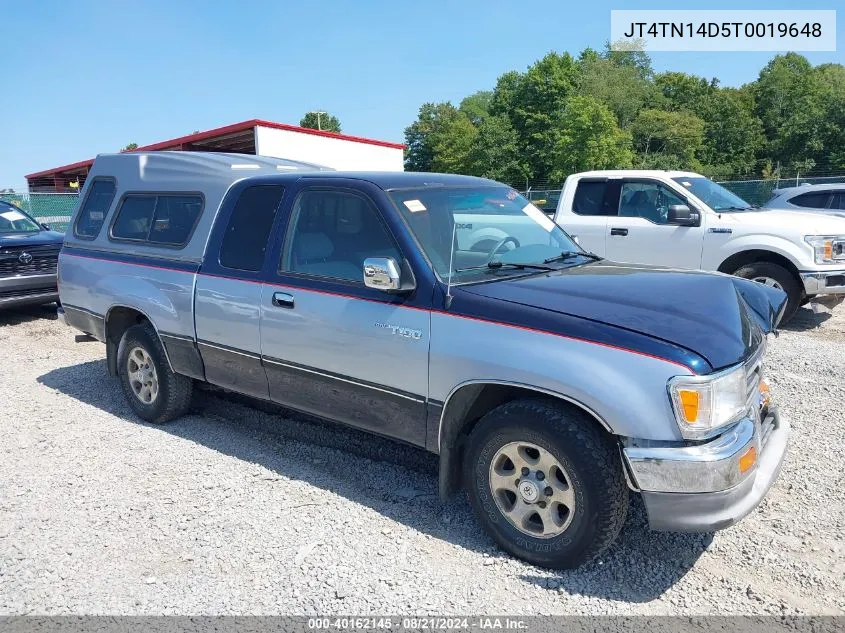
(155,393)
(546,483)
(776,276)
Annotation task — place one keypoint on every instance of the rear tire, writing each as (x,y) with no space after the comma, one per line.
(759,271)
(155,393)
(589,500)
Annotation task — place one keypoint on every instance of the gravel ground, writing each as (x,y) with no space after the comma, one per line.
(242,510)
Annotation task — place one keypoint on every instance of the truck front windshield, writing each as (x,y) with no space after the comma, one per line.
(713,195)
(469,233)
(13,220)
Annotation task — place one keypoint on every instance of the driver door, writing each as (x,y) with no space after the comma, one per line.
(639,232)
(330,345)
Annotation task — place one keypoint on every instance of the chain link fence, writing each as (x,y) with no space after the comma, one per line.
(54,209)
(761,191)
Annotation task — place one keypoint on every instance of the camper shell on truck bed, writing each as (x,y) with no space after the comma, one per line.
(444,311)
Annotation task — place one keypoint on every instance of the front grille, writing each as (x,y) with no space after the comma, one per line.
(753,376)
(30,292)
(43,260)
(766,428)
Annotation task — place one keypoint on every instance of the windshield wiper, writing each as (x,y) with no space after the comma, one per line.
(571,254)
(495,265)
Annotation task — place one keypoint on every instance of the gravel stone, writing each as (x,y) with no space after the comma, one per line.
(243,508)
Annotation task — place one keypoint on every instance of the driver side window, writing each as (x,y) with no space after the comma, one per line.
(647,200)
(332,232)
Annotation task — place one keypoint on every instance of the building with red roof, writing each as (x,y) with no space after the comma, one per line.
(264,138)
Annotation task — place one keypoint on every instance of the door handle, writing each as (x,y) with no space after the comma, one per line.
(618,231)
(282,300)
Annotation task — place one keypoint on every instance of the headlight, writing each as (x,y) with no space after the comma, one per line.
(827,249)
(705,403)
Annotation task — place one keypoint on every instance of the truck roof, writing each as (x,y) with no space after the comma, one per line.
(168,167)
(634,173)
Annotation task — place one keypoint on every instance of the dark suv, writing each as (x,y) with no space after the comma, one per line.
(28,255)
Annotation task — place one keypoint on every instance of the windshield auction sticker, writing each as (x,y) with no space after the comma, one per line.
(717,30)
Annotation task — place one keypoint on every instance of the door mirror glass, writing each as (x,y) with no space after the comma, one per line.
(682,215)
(382,273)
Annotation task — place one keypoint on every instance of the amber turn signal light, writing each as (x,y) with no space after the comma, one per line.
(748,459)
(690,402)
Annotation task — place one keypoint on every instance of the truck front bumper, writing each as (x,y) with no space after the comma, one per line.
(823,282)
(701,488)
(21,290)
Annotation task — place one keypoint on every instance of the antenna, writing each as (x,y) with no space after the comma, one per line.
(451,258)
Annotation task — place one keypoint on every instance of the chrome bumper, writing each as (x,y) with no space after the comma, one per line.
(827,282)
(701,488)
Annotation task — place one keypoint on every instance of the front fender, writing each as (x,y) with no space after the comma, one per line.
(794,253)
(624,390)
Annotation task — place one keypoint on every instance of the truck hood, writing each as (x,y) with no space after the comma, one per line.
(808,223)
(41,238)
(721,318)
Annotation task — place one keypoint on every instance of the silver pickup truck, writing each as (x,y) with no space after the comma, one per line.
(444,311)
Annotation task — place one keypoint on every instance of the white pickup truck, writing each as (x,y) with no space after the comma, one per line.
(684,220)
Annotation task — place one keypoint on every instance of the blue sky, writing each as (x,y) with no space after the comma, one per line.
(92,76)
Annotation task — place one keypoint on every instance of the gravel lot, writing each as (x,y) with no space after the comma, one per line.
(235,509)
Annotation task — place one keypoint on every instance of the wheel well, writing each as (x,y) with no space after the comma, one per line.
(118,320)
(466,407)
(738,260)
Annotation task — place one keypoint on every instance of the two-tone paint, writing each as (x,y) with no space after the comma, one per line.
(604,337)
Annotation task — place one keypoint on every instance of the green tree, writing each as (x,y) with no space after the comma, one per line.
(638,60)
(789,101)
(683,91)
(532,101)
(667,140)
(477,106)
(495,152)
(504,93)
(622,88)
(320,121)
(130,147)
(419,154)
(439,140)
(588,138)
(831,79)
(452,142)
(733,135)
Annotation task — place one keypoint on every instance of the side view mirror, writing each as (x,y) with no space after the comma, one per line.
(575,239)
(382,273)
(682,215)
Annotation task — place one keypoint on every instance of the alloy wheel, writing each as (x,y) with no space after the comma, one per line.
(143,378)
(532,489)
